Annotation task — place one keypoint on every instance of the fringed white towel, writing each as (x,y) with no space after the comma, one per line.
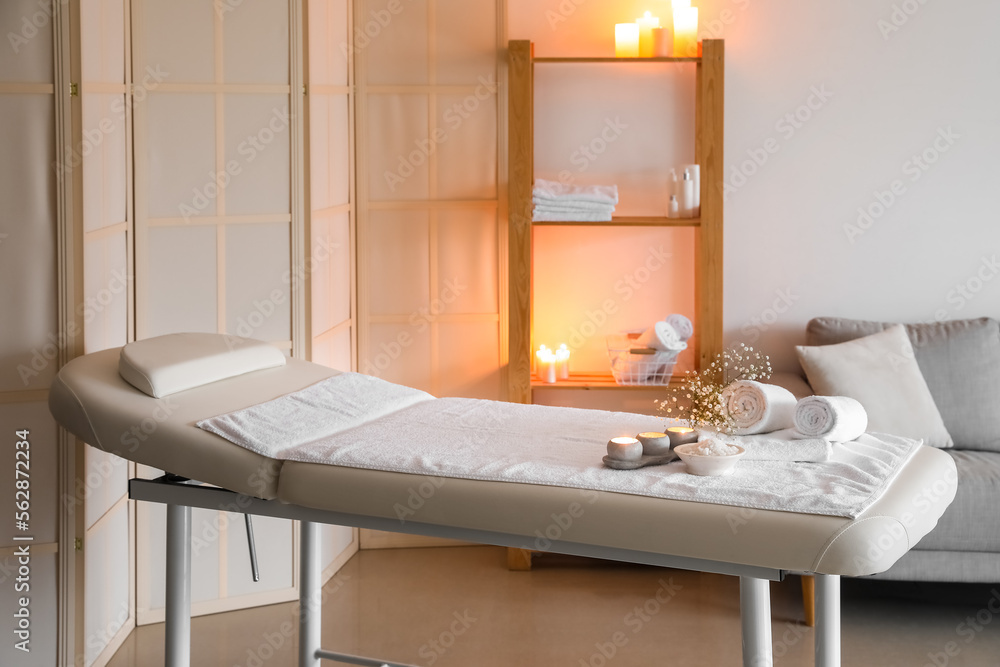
(535,444)
(602,194)
(837,418)
(755,407)
(570,204)
(786,445)
(681,325)
(570,216)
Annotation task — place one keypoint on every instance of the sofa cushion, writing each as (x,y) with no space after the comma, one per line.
(971,522)
(879,372)
(959,359)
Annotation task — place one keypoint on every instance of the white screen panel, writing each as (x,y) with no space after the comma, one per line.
(274,540)
(257,143)
(328,47)
(44,491)
(398,262)
(106,602)
(43,612)
(334,351)
(204,553)
(102,50)
(469,361)
(333,540)
(467,261)
(255,38)
(469,124)
(185,59)
(592,282)
(257,291)
(400,146)
(180,157)
(105,288)
(465,48)
(329,150)
(331,272)
(395,43)
(26,55)
(400,353)
(105,481)
(181,293)
(104,160)
(27,190)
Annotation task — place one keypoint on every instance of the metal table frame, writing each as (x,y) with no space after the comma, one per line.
(181,496)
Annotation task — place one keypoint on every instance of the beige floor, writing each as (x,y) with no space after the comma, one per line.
(461,607)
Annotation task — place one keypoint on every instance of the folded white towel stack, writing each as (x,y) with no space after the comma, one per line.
(785,445)
(681,325)
(837,418)
(755,407)
(555,201)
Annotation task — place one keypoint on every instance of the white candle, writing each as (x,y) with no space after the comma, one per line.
(646,24)
(654,443)
(562,362)
(685,31)
(546,365)
(663,43)
(625,449)
(681,435)
(626,40)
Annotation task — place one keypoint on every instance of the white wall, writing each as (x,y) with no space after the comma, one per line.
(891,97)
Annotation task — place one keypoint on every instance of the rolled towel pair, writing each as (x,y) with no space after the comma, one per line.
(663,337)
(786,445)
(755,407)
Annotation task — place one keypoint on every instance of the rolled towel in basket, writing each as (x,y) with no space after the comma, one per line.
(837,418)
(661,336)
(786,445)
(681,325)
(755,407)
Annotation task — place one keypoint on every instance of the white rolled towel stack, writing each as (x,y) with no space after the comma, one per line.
(554,201)
(836,418)
(681,325)
(755,407)
(663,337)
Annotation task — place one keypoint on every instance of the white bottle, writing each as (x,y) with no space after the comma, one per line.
(672,193)
(687,202)
(696,177)
(673,209)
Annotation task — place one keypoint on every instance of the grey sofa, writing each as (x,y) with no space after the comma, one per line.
(960,360)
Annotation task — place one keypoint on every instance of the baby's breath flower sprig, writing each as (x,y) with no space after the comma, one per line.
(698,399)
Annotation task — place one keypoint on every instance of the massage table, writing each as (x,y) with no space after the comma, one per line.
(199,376)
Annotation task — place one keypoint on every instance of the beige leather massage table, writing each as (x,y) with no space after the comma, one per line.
(202,376)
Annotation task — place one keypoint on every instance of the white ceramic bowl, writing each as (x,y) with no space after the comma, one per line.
(706,465)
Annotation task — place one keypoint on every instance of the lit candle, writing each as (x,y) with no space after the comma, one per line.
(654,443)
(646,24)
(663,43)
(681,435)
(562,362)
(626,40)
(546,365)
(685,31)
(625,449)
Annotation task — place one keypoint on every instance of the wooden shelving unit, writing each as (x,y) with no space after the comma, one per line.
(709,94)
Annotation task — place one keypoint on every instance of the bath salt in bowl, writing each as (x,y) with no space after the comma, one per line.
(710,458)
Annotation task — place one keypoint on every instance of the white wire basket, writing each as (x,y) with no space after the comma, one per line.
(633,364)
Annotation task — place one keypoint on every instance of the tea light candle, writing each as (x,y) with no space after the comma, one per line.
(685,31)
(625,449)
(663,43)
(646,23)
(626,40)
(562,362)
(681,435)
(654,443)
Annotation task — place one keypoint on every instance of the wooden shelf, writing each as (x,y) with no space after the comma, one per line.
(598,382)
(624,221)
(597,59)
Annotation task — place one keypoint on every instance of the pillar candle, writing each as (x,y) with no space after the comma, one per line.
(562,362)
(685,31)
(663,43)
(646,24)
(626,40)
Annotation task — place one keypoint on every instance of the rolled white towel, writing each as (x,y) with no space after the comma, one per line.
(681,325)
(661,336)
(605,194)
(837,418)
(786,445)
(755,407)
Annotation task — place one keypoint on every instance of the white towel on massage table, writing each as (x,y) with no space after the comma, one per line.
(837,418)
(786,445)
(756,407)
(534,444)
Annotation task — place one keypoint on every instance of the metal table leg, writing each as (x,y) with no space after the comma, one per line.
(827,620)
(177,647)
(310,598)
(755,616)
